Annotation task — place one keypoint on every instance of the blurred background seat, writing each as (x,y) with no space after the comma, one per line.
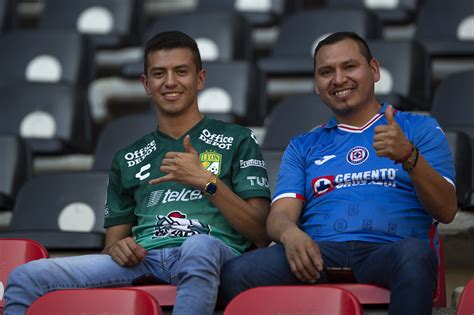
(8,15)
(62,211)
(53,118)
(15,168)
(452,106)
(108,23)
(294,115)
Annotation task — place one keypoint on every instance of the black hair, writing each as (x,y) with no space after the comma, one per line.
(170,40)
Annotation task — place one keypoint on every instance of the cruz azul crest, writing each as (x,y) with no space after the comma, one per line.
(211,161)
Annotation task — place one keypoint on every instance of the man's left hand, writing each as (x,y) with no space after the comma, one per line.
(183,167)
(389,140)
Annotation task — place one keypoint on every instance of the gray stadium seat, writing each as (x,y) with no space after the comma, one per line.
(8,15)
(15,168)
(62,211)
(108,23)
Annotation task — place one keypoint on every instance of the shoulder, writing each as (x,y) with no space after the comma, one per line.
(230,129)
(315,136)
(140,147)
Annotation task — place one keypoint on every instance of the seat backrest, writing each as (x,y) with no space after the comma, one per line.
(234,92)
(294,115)
(15,252)
(52,117)
(389,12)
(15,168)
(452,105)
(300,32)
(108,23)
(446,27)
(62,202)
(272,160)
(46,56)
(118,134)
(405,70)
(221,36)
(8,14)
(466,302)
(95,301)
(294,299)
(460,145)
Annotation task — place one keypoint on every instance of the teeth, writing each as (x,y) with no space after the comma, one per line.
(172,94)
(342,92)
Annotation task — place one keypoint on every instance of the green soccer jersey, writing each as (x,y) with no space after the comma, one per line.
(165,215)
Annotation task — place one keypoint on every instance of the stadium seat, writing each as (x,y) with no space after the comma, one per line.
(15,252)
(118,134)
(15,168)
(8,15)
(405,69)
(233,92)
(46,56)
(445,28)
(452,106)
(466,302)
(95,301)
(460,145)
(294,300)
(272,160)
(165,294)
(52,117)
(294,115)
(259,13)
(62,211)
(110,24)
(293,53)
(389,12)
(368,294)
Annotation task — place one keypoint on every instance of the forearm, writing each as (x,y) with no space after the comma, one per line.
(283,218)
(246,217)
(435,193)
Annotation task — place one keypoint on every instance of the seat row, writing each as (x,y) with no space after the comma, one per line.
(335,299)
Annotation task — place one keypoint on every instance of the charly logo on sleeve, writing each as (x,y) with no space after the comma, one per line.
(218,140)
(176,224)
(137,156)
(211,161)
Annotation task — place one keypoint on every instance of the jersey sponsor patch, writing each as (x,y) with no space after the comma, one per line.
(218,140)
(176,224)
(211,161)
(357,155)
(252,162)
(322,185)
(137,156)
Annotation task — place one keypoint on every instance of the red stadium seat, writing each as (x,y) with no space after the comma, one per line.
(165,294)
(95,301)
(15,252)
(466,303)
(374,294)
(301,299)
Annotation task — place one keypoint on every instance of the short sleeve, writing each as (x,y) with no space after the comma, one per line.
(249,174)
(120,204)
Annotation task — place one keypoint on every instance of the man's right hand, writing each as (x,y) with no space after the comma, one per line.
(303,255)
(126,252)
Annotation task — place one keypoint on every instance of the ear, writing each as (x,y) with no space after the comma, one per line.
(375,68)
(201,79)
(316,87)
(144,81)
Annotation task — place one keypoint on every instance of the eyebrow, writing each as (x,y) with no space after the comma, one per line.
(324,67)
(176,67)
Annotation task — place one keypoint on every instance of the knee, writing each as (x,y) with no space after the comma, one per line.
(23,274)
(413,256)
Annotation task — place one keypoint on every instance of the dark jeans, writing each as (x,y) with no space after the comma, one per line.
(408,268)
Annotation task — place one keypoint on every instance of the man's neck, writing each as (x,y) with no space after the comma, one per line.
(178,126)
(360,116)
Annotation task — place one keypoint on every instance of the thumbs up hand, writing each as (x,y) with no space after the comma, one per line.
(183,167)
(389,140)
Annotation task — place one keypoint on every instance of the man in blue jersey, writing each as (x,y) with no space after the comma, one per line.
(363,191)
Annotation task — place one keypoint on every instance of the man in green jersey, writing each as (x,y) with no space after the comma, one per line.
(181,201)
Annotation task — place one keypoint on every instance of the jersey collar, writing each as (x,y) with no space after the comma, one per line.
(332,123)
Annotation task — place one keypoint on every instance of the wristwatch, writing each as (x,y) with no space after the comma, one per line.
(211,186)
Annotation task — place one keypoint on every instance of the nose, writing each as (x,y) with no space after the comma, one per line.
(170,80)
(339,77)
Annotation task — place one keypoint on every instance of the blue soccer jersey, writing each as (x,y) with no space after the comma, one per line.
(350,193)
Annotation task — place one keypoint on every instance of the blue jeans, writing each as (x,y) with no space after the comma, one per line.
(194,267)
(408,268)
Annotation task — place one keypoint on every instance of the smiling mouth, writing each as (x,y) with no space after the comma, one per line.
(171,94)
(342,93)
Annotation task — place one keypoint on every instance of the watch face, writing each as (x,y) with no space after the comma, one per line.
(211,188)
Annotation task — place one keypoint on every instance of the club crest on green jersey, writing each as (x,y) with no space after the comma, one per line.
(211,161)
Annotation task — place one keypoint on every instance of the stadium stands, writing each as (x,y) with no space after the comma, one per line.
(466,303)
(8,15)
(62,211)
(95,301)
(15,168)
(15,252)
